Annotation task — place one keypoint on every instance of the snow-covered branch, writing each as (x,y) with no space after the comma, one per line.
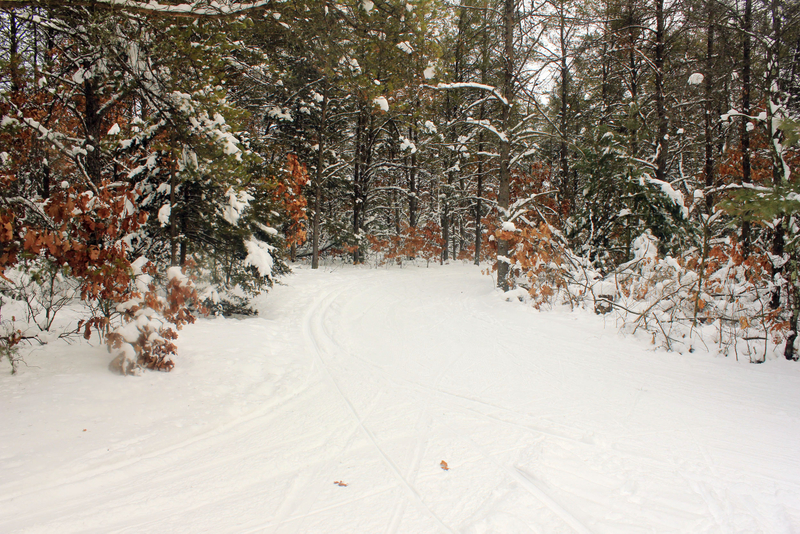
(197,9)
(470,85)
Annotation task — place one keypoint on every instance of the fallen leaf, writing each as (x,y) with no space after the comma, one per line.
(339,483)
(443,465)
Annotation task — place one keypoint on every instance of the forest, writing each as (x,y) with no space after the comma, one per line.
(162,160)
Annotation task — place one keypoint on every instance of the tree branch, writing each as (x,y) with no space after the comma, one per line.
(196,9)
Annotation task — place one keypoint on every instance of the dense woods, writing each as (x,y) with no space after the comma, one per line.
(160,160)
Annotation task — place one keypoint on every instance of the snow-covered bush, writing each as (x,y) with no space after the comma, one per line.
(41,288)
(681,304)
(9,339)
(537,264)
(148,320)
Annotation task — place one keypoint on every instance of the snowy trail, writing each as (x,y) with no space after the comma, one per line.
(547,422)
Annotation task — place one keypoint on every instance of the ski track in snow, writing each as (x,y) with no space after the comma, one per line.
(549,423)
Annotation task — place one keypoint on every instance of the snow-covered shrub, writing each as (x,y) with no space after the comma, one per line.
(227,301)
(9,339)
(43,289)
(681,303)
(652,293)
(537,264)
(32,294)
(685,303)
(228,283)
(149,320)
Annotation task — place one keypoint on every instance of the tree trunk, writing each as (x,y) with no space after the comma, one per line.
(503,194)
(563,158)
(318,180)
(708,106)
(93,122)
(794,295)
(173,219)
(773,98)
(13,53)
(743,131)
(357,170)
(634,79)
(413,201)
(661,114)
(481,170)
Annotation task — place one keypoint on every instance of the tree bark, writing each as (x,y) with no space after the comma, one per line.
(173,222)
(563,155)
(413,201)
(357,170)
(503,194)
(661,114)
(773,98)
(318,179)
(743,131)
(708,106)
(479,195)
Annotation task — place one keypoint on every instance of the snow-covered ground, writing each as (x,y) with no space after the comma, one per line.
(547,421)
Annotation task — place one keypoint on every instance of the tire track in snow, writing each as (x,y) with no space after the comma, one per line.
(527,481)
(421,443)
(453,398)
(420,447)
(216,435)
(312,331)
(282,515)
(326,508)
(435,391)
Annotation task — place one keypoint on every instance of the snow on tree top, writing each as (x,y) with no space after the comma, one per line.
(382,103)
(259,255)
(696,79)
(405,46)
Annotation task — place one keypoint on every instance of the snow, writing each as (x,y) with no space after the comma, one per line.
(367,5)
(381,102)
(644,247)
(673,194)
(114,130)
(486,124)
(213,8)
(164,214)
(259,255)
(80,76)
(405,46)
(473,85)
(176,273)
(280,113)
(237,203)
(548,422)
(268,229)
(429,72)
(407,144)
(696,78)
